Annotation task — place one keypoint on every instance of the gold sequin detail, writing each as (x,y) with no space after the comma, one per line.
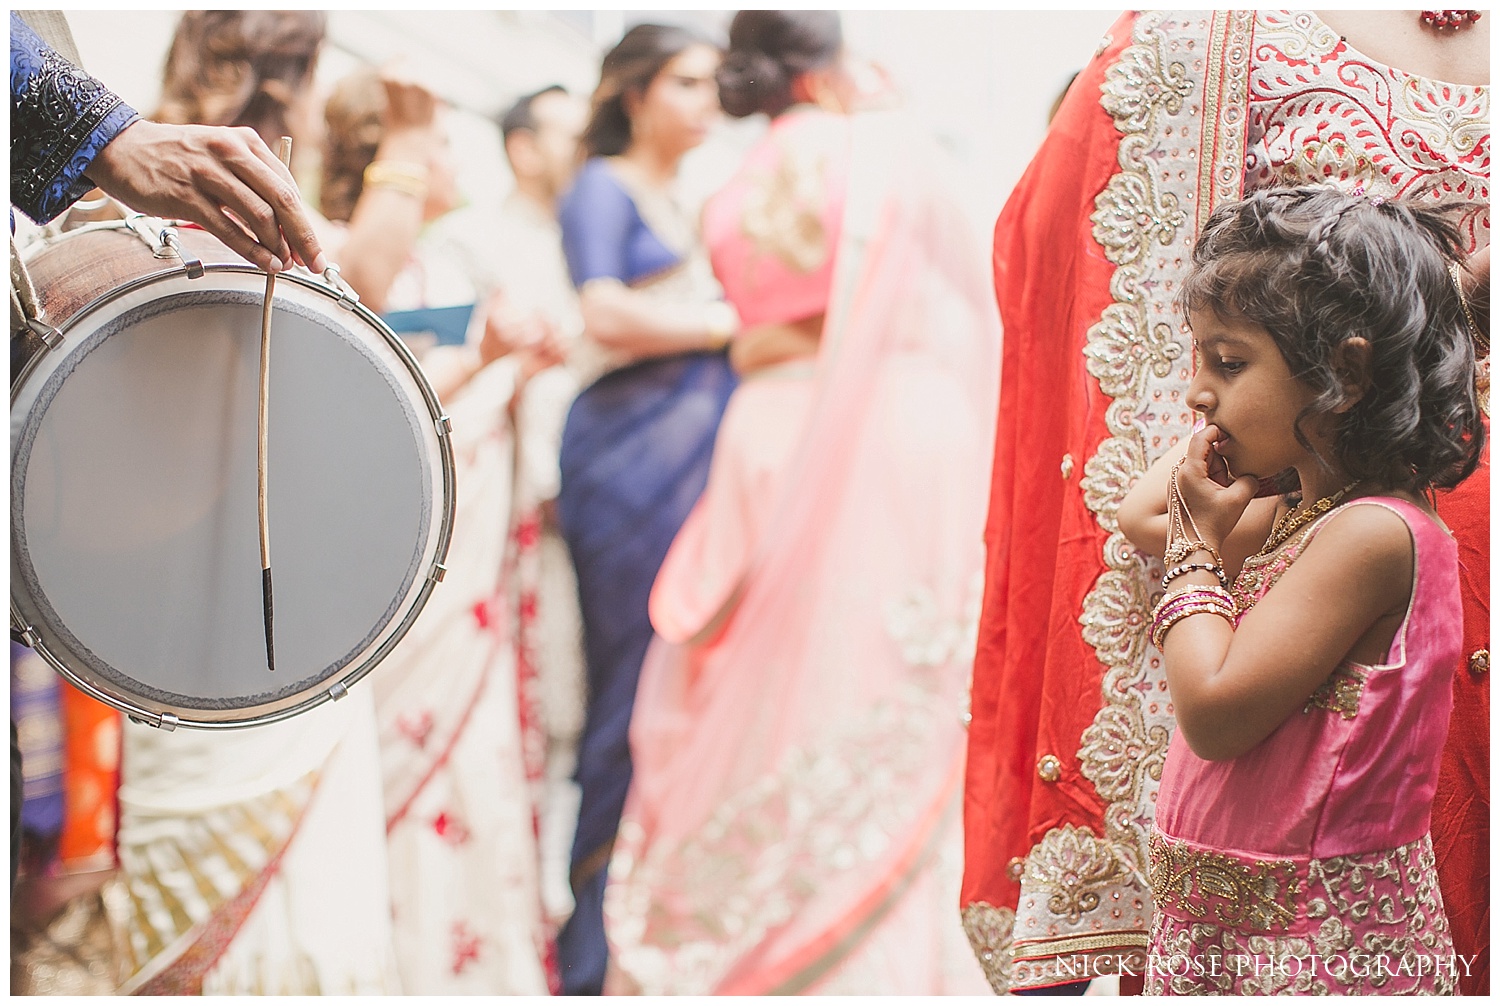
(1072,867)
(1339,693)
(1049,767)
(991,932)
(1261,897)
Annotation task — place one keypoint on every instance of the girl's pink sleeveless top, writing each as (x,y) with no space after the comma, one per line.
(1355,770)
(772,232)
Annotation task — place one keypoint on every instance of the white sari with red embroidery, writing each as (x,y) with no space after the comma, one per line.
(460,807)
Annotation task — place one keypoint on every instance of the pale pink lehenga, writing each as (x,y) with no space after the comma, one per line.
(798,735)
(1305,865)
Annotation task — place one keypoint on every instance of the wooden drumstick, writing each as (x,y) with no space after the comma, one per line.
(284,152)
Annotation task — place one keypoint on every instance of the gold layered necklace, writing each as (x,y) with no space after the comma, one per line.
(1295,519)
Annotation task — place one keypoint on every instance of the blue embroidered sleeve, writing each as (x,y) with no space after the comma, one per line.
(60,118)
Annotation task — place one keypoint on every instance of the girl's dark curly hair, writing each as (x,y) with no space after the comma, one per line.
(1314,267)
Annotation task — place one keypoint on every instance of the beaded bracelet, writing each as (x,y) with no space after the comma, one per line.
(1188,567)
(1189,601)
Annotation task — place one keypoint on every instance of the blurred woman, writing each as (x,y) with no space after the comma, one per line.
(636,446)
(798,738)
(458,807)
(253,861)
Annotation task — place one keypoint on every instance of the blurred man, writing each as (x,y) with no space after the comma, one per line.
(541,133)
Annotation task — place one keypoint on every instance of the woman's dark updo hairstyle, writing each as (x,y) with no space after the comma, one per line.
(629,68)
(1315,266)
(768,50)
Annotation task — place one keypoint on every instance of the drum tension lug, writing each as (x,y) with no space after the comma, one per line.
(167,723)
(439,571)
(45,332)
(25,635)
(348,297)
(338,691)
(444,426)
(173,245)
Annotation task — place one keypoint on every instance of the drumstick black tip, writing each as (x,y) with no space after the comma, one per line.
(265,584)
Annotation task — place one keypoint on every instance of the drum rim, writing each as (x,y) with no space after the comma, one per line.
(338,689)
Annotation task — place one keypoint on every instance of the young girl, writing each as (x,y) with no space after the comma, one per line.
(1310,640)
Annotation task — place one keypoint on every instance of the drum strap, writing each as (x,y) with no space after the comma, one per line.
(51,27)
(23,305)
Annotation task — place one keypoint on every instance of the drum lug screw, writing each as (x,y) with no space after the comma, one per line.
(439,571)
(347,295)
(45,332)
(338,691)
(170,245)
(444,426)
(25,635)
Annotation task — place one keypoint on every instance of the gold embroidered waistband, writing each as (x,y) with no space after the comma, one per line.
(1273,895)
(1237,891)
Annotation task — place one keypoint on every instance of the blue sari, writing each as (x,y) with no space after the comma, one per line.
(635,457)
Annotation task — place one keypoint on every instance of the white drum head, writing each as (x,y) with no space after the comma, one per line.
(134,542)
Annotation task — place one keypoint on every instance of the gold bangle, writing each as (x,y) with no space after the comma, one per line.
(397,176)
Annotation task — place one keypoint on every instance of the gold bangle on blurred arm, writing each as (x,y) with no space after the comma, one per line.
(397,176)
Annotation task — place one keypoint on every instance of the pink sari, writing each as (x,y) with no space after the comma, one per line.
(792,822)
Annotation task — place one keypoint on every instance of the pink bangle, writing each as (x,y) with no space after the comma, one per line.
(1189,601)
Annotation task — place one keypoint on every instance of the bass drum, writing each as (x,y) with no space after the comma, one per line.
(135,560)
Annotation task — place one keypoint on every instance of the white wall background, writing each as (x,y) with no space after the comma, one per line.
(982,80)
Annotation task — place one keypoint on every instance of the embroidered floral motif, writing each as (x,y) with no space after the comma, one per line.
(1121,749)
(417,729)
(1108,476)
(989,930)
(1071,866)
(466,944)
(927,639)
(1380,903)
(450,829)
(1259,895)
(1305,38)
(823,816)
(1321,112)
(1116,614)
(1340,693)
